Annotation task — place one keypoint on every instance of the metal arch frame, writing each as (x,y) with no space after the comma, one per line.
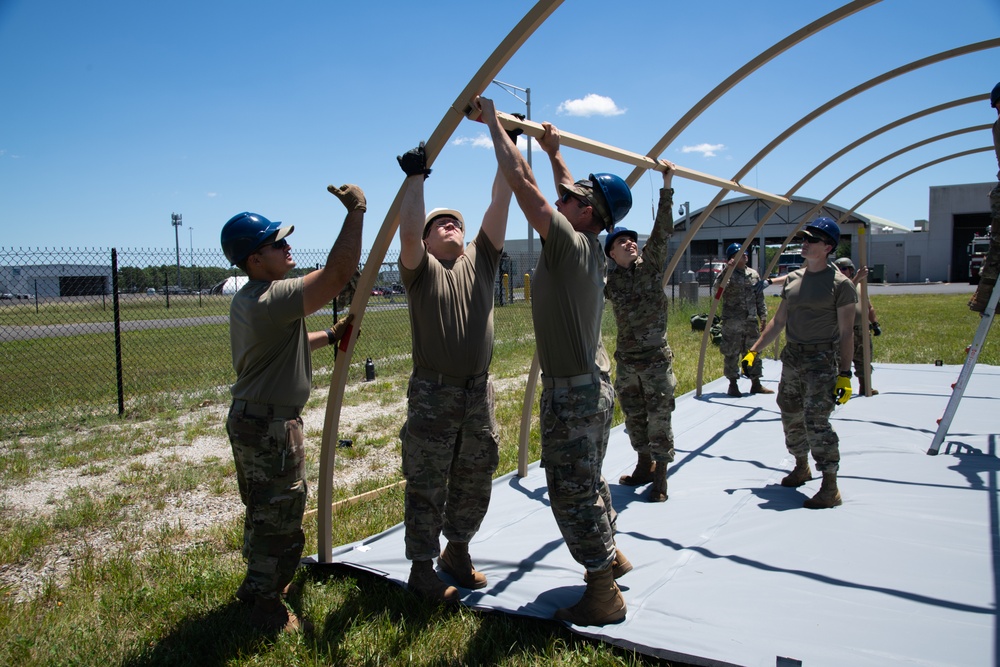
(746,70)
(693,113)
(694,226)
(808,216)
(808,118)
(435,143)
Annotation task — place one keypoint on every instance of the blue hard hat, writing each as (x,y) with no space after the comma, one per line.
(245,232)
(827,227)
(617,196)
(614,233)
(995,95)
(733,249)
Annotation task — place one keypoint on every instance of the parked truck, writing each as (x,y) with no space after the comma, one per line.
(978,248)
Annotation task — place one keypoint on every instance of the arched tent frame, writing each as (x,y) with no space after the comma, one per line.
(435,143)
(792,129)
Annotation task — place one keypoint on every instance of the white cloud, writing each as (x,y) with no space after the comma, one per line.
(706,150)
(590,105)
(211,195)
(485,141)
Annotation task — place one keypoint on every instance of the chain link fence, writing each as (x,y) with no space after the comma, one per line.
(103,331)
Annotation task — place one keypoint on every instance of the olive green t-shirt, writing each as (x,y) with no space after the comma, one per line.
(270,343)
(811,303)
(567,302)
(451,310)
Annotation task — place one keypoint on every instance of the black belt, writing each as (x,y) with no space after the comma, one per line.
(265,410)
(815,347)
(441,378)
(584,380)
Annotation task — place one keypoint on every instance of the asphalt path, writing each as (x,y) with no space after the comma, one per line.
(9,333)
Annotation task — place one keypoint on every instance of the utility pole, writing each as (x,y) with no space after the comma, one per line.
(527,103)
(175,220)
(191,241)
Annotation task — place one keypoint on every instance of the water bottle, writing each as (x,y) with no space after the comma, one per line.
(369,370)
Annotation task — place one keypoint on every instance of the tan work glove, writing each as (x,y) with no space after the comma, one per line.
(351,196)
(337,331)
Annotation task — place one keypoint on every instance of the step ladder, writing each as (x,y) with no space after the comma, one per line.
(985,322)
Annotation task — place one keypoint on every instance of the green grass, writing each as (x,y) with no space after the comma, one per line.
(171,603)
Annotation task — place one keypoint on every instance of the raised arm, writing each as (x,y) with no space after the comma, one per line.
(323,285)
(516,172)
(549,143)
(495,219)
(411,212)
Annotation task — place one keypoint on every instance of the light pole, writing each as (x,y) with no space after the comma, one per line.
(527,103)
(685,210)
(175,220)
(191,241)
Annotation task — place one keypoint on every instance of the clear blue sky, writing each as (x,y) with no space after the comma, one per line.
(115,114)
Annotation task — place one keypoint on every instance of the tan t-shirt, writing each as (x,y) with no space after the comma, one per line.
(270,343)
(567,302)
(811,303)
(451,310)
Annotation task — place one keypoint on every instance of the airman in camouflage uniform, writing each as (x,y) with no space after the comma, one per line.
(271,351)
(991,264)
(450,444)
(644,378)
(577,397)
(743,315)
(817,305)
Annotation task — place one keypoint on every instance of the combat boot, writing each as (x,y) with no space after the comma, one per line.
(643,473)
(734,389)
(271,615)
(799,475)
(602,603)
(620,566)
(861,388)
(828,495)
(455,560)
(757,388)
(424,582)
(658,491)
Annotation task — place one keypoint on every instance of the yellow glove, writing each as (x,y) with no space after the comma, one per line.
(842,392)
(747,363)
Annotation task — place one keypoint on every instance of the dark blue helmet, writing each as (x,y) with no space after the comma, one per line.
(245,232)
(617,196)
(995,95)
(614,233)
(733,249)
(825,227)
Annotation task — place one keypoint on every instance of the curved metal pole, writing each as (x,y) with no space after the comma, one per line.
(452,117)
(882,187)
(792,129)
(808,216)
(745,71)
(808,118)
(822,165)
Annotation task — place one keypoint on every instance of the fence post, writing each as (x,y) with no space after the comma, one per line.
(527,287)
(118,332)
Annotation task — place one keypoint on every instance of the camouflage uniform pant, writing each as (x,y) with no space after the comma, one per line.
(575,423)
(805,396)
(271,473)
(645,390)
(737,337)
(859,353)
(450,452)
(991,265)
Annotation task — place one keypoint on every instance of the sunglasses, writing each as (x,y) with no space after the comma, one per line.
(567,196)
(277,245)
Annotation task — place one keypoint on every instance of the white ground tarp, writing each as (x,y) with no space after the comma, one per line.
(731,570)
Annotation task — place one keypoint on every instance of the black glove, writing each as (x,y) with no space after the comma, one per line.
(876,329)
(516,132)
(414,161)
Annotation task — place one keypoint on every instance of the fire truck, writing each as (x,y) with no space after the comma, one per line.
(978,248)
